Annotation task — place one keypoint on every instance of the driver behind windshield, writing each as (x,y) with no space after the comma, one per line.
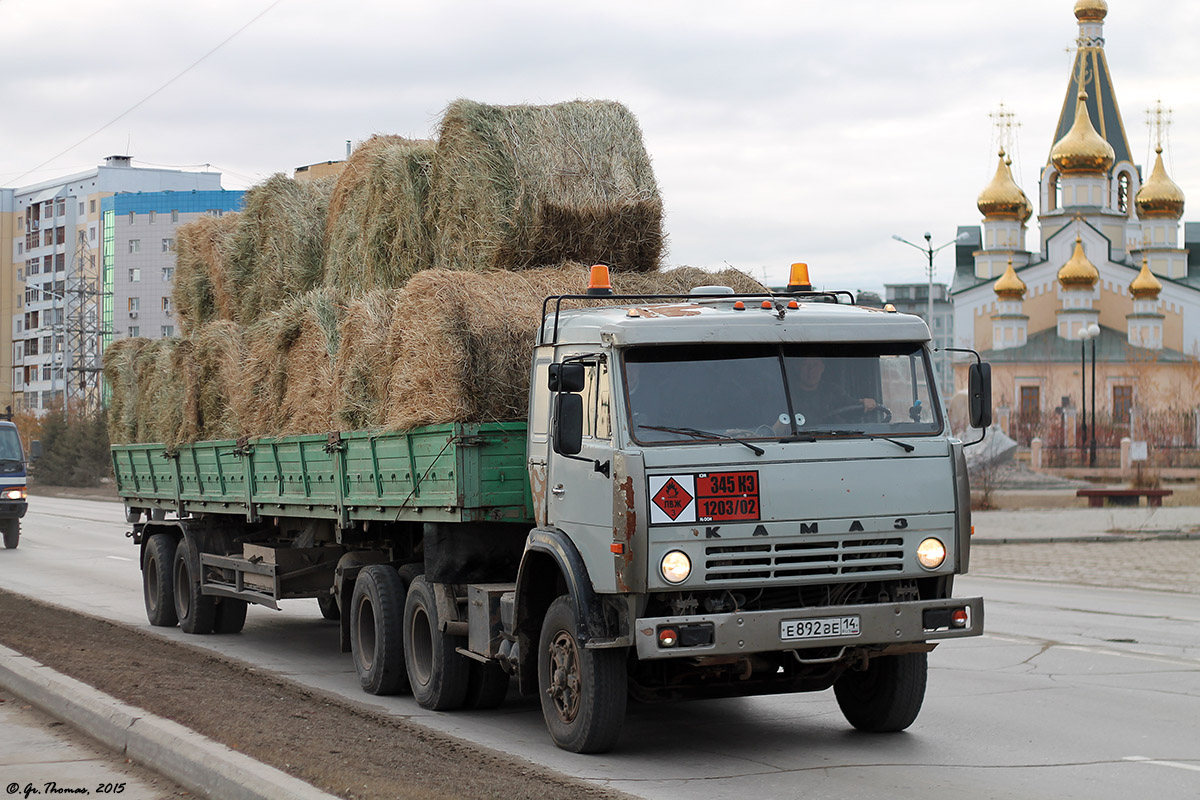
(817,400)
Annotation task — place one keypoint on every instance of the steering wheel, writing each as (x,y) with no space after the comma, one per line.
(878,414)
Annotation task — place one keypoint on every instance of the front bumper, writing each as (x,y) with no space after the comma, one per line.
(10,509)
(759,631)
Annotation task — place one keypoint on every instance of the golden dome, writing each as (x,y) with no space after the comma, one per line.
(1081,149)
(1078,272)
(1145,286)
(1002,197)
(1091,10)
(1159,196)
(1009,287)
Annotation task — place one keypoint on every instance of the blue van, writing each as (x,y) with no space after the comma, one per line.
(12,484)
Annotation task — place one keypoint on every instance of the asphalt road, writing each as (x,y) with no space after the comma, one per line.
(1074,692)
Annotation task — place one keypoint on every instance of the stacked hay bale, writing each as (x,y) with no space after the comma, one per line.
(377,234)
(277,251)
(516,187)
(120,375)
(462,348)
(343,305)
(364,360)
(220,357)
(201,291)
(287,384)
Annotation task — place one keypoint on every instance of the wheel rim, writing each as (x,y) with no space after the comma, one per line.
(366,633)
(152,582)
(564,676)
(422,646)
(183,588)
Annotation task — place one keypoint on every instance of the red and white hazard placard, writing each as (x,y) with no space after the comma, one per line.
(704,497)
(672,499)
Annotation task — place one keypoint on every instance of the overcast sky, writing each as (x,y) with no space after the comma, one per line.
(779,131)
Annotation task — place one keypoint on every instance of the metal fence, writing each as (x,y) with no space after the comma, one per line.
(1172,437)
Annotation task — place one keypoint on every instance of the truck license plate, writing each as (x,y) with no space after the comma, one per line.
(791,629)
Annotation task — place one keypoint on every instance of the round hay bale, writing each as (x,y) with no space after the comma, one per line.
(201,290)
(287,385)
(220,355)
(120,375)
(364,360)
(516,187)
(462,347)
(160,396)
(376,236)
(277,251)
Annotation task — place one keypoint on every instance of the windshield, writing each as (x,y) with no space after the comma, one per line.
(10,445)
(698,392)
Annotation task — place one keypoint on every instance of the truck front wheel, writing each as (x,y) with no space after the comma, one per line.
(437,673)
(197,612)
(376,609)
(887,695)
(12,532)
(583,691)
(158,588)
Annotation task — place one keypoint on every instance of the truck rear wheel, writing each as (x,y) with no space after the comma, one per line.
(887,695)
(158,587)
(12,533)
(197,612)
(437,673)
(583,691)
(376,609)
(230,615)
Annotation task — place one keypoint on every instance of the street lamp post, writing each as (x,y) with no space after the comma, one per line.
(1086,333)
(930,251)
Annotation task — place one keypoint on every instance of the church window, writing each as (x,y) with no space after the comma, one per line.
(1123,193)
(1122,403)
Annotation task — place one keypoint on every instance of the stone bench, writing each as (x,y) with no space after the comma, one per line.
(1123,497)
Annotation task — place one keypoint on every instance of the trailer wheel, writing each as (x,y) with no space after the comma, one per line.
(158,587)
(230,615)
(329,607)
(487,685)
(376,609)
(583,691)
(12,533)
(197,612)
(886,696)
(437,673)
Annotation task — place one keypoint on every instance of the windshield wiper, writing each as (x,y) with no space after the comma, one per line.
(699,434)
(812,437)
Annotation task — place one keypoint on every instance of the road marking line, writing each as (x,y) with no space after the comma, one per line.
(1156,762)
(119,558)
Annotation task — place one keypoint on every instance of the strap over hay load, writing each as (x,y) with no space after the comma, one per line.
(517,187)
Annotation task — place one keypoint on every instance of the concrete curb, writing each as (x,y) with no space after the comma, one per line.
(198,764)
(1116,536)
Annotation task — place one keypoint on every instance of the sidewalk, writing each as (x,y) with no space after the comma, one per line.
(1085,524)
(50,757)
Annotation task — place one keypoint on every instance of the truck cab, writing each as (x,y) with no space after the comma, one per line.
(13,494)
(764,494)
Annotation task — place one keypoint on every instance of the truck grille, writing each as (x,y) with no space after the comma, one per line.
(790,561)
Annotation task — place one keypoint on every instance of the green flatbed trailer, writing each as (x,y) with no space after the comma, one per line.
(440,473)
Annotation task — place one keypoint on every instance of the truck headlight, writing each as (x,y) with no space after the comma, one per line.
(675,566)
(14,494)
(931,553)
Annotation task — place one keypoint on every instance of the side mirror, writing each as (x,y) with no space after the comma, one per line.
(566,377)
(35,450)
(979,394)
(568,423)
